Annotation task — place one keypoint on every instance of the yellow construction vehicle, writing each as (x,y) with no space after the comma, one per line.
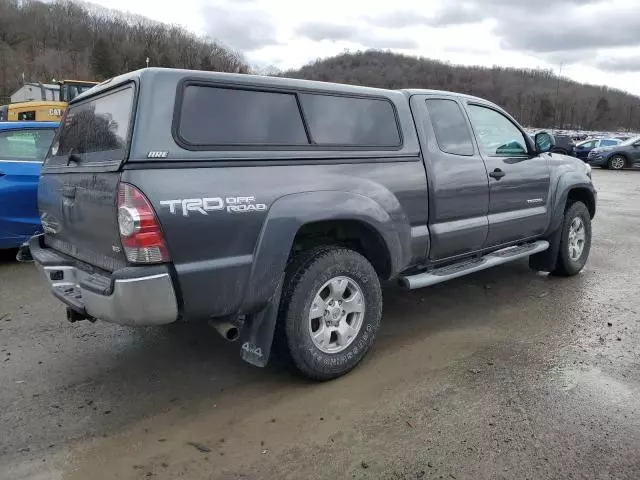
(46,110)
(70,89)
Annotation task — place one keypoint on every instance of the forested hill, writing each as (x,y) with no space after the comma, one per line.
(63,39)
(71,40)
(530,95)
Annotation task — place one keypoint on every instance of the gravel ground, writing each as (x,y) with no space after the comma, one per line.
(502,374)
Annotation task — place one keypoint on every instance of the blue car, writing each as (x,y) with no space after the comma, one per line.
(583,148)
(23,146)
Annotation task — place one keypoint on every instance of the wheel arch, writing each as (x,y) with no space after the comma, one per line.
(571,186)
(356,234)
(584,195)
(346,218)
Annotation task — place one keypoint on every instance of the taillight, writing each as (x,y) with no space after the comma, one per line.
(140,230)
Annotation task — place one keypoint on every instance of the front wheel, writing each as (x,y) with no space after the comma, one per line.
(617,162)
(575,241)
(329,313)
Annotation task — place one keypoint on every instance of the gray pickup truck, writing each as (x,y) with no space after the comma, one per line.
(274,208)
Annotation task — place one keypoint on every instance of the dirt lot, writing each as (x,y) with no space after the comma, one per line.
(504,374)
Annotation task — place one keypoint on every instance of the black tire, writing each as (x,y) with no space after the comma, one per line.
(306,274)
(561,151)
(614,163)
(565,265)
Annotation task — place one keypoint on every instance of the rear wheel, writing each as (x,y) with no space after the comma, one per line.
(575,241)
(329,313)
(617,162)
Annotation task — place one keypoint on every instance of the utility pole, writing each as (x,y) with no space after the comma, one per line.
(555,108)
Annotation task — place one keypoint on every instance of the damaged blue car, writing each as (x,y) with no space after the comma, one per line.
(23,146)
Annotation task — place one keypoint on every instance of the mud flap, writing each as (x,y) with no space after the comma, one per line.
(546,261)
(257,334)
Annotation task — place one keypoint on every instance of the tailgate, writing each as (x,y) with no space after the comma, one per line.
(78,188)
(78,216)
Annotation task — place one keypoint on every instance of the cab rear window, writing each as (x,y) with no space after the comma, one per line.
(95,131)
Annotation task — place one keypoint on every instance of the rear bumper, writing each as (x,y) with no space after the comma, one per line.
(131,296)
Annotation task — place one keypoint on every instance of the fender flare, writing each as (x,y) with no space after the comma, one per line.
(566,182)
(290,212)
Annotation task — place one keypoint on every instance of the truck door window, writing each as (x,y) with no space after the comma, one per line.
(450,127)
(496,134)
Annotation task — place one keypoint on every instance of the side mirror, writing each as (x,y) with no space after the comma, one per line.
(544,142)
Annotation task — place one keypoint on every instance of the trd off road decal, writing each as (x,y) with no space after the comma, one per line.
(203,206)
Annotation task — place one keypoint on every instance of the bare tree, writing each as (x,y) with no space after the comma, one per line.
(66,39)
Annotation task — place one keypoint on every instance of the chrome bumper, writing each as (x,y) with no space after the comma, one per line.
(139,299)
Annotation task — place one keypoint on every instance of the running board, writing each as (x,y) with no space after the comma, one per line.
(465,267)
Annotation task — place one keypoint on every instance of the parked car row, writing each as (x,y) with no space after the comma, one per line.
(616,157)
(616,152)
(581,136)
(583,149)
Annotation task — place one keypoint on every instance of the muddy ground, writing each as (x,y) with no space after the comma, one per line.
(502,374)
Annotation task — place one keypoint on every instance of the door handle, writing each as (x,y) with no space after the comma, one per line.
(497,174)
(2,174)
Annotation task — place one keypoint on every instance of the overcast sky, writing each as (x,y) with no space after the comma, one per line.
(596,41)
